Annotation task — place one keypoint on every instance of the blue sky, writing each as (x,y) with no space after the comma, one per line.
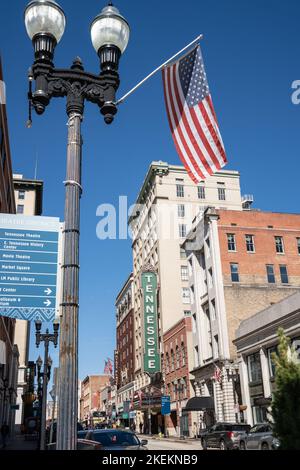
(251,53)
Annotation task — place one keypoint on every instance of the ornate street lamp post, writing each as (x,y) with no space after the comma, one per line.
(45,23)
(3,390)
(179,389)
(149,391)
(46,338)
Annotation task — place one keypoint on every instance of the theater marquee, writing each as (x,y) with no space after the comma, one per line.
(151,351)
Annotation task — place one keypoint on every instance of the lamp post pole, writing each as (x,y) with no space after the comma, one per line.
(46,339)
(44,398)
(110,35)
(179,388)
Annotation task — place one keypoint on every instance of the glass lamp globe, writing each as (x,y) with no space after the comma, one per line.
(110,28)
(45,17)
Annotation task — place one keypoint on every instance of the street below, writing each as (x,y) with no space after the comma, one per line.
(158,444)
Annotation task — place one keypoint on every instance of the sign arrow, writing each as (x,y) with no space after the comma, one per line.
(48,291)
(47,303)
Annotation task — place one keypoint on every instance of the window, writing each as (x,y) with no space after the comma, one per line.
(201,192)
(259,416)
(250,243)
(216,346)
(254,368)
(271,351)
(183,354)
(184,273)
(279,245)
(221,192)
(167,363)
(182,230)
(194,323)
(213,310)
(177,357)
(20,209)
(187,313)
(270,273)
(180,190)
(284,274)
(181,211)
(208,335)
(182,253)
(196,356)
(186,295)
(22,195)
(298,245)
(172,360)
(231,242)
(234,268)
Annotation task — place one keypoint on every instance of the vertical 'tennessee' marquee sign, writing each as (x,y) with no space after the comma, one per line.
(151,355)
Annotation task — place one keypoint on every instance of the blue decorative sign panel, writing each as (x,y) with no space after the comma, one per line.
(166,405)
(29,260)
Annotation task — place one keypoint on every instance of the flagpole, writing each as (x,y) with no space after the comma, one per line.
(121,100)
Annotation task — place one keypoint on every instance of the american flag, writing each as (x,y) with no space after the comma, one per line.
(218,374)
(108,368)
(192,117)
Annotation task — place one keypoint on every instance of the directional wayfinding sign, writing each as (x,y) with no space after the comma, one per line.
(166,405)
(29,267)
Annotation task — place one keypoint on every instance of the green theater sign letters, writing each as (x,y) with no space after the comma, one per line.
(151,355)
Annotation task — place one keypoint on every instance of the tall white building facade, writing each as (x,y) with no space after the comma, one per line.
(166,206)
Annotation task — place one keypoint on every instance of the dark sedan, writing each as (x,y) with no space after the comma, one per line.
(224,436)
(114,439)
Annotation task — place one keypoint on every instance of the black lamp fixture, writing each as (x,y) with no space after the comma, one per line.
(110,35)
(45,23)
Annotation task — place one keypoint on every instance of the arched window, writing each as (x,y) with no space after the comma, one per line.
(172,360)
(167,363)
(183,354)
(177,358)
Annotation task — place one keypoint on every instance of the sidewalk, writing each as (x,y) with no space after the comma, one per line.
(186,440)
(19,443)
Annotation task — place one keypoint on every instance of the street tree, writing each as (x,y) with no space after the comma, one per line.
(286,398)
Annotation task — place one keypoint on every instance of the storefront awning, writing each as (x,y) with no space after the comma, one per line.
(199,404)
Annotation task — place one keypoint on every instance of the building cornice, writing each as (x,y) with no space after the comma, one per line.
(124,289)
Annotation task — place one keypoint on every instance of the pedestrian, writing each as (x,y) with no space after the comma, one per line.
(141,427)
(4,434)
(195,430)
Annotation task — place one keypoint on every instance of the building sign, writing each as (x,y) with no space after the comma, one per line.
(166,405)
(151,355)
(29,267)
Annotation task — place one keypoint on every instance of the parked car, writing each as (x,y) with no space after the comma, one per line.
(82,444)
(260,437)
(224,436)
(114,439)
(54,431)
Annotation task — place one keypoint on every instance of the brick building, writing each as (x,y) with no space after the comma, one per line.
(240,262)
(124,357)
(177,342)
(9,354)
(90,402)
